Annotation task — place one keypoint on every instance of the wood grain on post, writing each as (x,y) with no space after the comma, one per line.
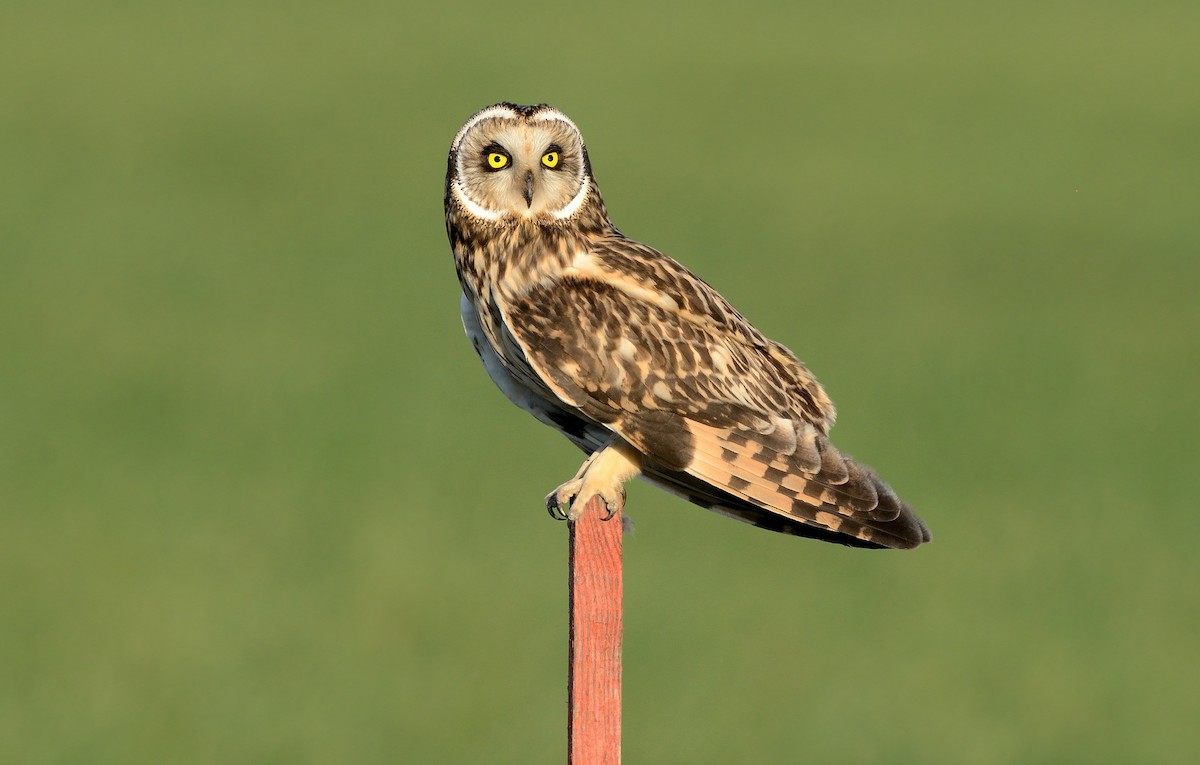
(594,674)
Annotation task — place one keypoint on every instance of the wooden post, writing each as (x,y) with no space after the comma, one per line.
(594,674)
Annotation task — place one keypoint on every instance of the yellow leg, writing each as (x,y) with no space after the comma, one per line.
(603,474)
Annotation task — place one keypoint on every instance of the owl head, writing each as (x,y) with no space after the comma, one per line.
(514,163)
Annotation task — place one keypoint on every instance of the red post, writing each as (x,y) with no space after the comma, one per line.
(594,674)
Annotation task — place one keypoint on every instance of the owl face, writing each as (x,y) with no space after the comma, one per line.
(519,162)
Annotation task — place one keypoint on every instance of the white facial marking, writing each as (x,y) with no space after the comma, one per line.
(571,207)
(555,114)
(473,207)
(577,201)
(488,113)
(459,194)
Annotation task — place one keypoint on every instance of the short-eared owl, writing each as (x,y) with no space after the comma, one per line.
(636,360)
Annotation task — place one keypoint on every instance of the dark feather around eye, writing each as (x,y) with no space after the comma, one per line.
(556,150)
(494,148)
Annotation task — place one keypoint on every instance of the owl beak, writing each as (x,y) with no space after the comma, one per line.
(529,188)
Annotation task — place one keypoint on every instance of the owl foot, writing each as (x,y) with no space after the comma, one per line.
(566,503)
(602,475)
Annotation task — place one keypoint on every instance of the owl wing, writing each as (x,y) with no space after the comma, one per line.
(722,415)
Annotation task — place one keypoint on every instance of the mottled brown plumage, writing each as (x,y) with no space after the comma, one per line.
(638,361)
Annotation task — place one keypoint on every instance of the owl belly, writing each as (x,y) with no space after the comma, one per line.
(585,434)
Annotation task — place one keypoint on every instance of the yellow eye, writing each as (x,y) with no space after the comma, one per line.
(497,161)
(550,159)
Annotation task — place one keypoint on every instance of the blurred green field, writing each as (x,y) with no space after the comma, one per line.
(259,502)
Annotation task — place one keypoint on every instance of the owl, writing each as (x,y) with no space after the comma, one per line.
(637,361)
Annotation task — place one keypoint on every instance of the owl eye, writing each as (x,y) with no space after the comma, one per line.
(550,159)
(497,161)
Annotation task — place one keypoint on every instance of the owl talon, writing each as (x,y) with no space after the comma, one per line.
(554,509)
(602,475)
(565,503)
(558,503)
(612,508)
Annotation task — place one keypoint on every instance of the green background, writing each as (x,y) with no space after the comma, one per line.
(259,502)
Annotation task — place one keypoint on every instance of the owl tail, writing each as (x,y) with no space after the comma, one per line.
(811,490)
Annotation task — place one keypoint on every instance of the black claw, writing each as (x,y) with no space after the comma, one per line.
(555,509)
(609,512)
